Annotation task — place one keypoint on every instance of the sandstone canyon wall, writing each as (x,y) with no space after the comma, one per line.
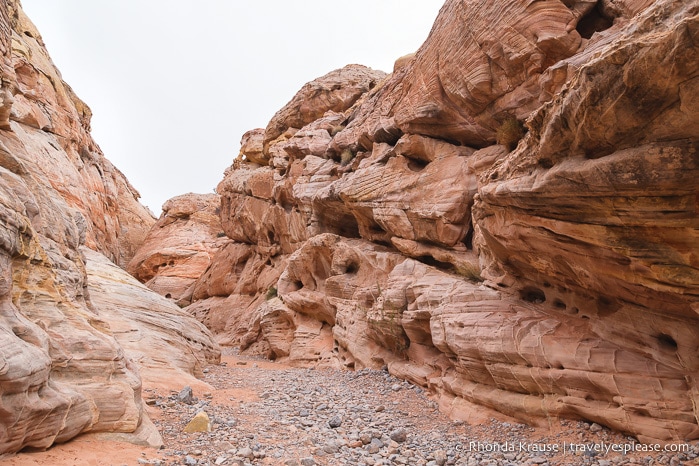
(510,218)
(73,326)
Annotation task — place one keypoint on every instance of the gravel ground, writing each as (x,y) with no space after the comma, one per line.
(263,413)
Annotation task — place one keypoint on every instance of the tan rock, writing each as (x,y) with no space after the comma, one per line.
(164,341)
(251,147)
(199,423)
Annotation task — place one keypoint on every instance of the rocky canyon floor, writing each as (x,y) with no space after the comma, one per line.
(267,413)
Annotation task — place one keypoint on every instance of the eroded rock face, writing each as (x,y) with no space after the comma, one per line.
(50,139)
(64,370)
(166,343)
(336,91)
(554,274)
(179,247)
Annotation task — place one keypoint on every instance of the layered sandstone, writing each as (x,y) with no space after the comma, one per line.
(73,327)
(509,219)
(179,247)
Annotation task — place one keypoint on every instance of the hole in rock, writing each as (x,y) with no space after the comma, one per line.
(383,242)
(468,239)
(375,228)
(545,163)
(667,342)
(607,306)
(532,295)
(168,296)
(593,22)
(297,285)
(352,267)
(416,165)
(338,222)
(429,260)
(557,303)
(270,236)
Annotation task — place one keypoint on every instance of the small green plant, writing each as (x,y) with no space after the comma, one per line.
(510,132)
(271,293)
(470,273)
(220,234)
(346,157)
(336,129)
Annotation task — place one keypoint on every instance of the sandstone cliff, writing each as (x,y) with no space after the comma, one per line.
(510,218)
(73,327)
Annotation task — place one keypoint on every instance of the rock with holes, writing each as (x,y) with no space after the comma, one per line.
(509,219)
(462,86)
(256,209)
(409,198)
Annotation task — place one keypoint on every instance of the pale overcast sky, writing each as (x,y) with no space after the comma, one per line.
(174,84)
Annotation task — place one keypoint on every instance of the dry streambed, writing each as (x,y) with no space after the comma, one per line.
(264,413)
(267,413)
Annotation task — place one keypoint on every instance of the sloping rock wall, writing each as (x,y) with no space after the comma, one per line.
(66,367)
(509,219)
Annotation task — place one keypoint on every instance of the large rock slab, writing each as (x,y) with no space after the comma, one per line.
(165,342)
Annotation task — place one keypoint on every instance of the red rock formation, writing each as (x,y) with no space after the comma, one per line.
(179,247)
(65,368)
(509,219)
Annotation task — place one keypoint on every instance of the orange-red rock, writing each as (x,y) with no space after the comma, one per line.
(551,274)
